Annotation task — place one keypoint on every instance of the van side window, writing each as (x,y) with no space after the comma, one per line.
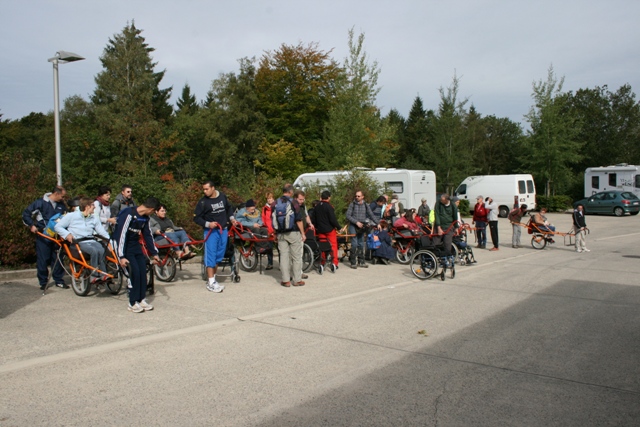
(522,189)
(613,179)
(462,189)
(637,178)
(395,186)
(595,182)
(530,188)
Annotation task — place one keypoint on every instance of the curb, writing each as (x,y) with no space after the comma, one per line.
(8,276)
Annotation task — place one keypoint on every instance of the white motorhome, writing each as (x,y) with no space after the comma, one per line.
(622,177)
(410,185)
(501,188)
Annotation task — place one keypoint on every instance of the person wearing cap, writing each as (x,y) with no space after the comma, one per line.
(249,216)
(424,210)
(492,216)
(480,221)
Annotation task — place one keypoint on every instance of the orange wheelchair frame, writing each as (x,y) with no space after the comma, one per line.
(77,266)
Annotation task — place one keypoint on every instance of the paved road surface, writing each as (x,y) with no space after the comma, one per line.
(524,337)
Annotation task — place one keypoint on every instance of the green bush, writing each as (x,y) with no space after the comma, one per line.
(558,203)
(464,208)
(19,182)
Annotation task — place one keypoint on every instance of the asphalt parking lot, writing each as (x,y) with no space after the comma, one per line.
(524,337)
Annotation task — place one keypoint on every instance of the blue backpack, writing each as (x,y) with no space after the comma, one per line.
(50,228)
(373,240)
(283,216)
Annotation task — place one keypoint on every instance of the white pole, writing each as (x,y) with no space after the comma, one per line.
(56,120)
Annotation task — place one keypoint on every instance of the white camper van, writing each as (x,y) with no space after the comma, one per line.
(410,185)
(501,188)
(622,177)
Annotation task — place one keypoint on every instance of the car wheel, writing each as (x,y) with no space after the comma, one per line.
(634,213)
(503,212)
(618,211)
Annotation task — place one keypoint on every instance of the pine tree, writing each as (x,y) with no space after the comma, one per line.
(187,103)
(130,107)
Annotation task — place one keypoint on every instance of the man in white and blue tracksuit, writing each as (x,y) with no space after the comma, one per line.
(133,222)
(36,216)
(212,213)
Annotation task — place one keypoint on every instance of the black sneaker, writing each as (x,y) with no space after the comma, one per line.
(42,287)
(363,265)
(62,285)
(354,266)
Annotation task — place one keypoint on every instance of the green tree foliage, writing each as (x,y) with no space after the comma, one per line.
(187,103)
(355,135)
(552,147)
(19,178)
(282,158)
(610,125)
(129,106)
(414,143)
(450,159)
(296,90)
(234,125)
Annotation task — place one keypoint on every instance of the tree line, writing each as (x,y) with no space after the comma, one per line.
(295,109)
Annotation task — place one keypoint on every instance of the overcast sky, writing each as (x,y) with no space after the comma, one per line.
(497,48)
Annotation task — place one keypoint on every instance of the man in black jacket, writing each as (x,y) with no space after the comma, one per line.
(36,216)
(326,224)
(580,225)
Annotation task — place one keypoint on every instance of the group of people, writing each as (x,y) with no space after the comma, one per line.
(88,219)
(286,217)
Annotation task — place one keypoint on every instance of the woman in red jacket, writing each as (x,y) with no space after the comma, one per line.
(480,220)
(266,220)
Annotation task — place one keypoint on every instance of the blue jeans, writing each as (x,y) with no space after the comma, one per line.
(357,243)
(481,232)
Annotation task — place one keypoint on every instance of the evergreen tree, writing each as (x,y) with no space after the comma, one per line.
(187,103)
(129,106)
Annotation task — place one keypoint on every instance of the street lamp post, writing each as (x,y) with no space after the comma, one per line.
(61,57)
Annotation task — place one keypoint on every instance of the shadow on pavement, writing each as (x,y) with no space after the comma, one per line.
(16,295)
(568,356)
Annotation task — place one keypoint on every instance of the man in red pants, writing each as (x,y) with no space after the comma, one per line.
(324,219)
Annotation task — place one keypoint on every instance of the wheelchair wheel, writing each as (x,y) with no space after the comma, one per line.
(166,272)
(82,284)
(452,273)
(424,264)
(114,285)
(248,260)
(307,258)
(538,241)
(405,258)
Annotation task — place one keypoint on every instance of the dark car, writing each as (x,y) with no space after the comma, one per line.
(617,203)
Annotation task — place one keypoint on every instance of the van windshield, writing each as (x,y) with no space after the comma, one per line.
(462,189)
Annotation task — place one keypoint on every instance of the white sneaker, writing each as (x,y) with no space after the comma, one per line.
(586,250)
(578,250)
(145,305)
(136,308)
(215,287)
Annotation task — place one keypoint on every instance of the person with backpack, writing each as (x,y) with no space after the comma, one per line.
(213,212)
(515,217)
(36,216)
(359,215)
(480,221)
(286,219)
